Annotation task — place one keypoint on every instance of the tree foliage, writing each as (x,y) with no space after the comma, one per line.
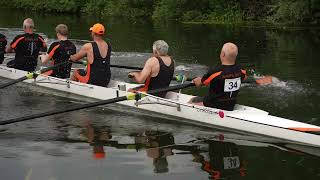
(216,11)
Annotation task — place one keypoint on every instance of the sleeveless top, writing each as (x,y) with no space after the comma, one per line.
(162,80)
(61,52)
(27,48)
(99,71)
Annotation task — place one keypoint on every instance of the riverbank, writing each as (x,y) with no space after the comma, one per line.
(280,13)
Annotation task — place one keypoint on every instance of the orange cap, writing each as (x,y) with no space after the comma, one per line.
(98,29)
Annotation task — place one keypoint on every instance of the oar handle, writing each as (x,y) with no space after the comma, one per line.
(52,67)
(126,67)
(171,88)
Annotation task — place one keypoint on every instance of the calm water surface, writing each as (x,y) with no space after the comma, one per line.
(117,143)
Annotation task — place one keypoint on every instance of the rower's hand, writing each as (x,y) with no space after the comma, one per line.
(197,81)
(131,75)
(41,57)
(44,58)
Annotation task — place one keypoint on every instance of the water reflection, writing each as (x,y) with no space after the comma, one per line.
(158,147)
(217,155)
(97,138)
(223,160)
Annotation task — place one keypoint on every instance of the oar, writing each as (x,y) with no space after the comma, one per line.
(178,77)
(111,65)
(32,75)
(130,96)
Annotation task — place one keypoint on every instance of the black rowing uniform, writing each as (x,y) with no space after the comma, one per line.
(225,82)
(162,80)
(3,43)
(60,51)
(27,47)
(98,73)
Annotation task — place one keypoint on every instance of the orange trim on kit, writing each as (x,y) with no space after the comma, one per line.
(14,45)
(207,81)
(51,53)
(83,79)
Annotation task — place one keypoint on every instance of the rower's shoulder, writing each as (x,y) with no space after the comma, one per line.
(67,42)
(87,46)
(2,36)
(19,36)
(152,60)
(38,35)
(54,44)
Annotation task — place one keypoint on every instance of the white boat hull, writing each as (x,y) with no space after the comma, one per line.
(243,119)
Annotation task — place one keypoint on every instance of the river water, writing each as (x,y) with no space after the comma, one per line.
(115,143)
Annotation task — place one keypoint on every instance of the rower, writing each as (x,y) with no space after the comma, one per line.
(3,43)
(60,51)
(224,80)
(98,59)
(27,47)
(157,71)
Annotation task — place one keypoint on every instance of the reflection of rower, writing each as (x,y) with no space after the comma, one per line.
(224,160)
(97,138)
(158,146)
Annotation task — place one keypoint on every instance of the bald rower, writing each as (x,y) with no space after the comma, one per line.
(224,81)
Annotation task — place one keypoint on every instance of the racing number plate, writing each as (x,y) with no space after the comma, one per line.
(231,85)
(231,162)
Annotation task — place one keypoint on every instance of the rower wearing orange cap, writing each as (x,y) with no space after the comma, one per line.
(98,55)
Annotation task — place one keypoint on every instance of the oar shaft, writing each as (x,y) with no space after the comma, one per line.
(25,118)
(171,88)
(112,65)
(13,82)
(53,67)
(126,67)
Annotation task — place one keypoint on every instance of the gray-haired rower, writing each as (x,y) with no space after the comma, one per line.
(157,71)
(27,47)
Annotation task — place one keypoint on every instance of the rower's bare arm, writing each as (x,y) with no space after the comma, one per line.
(44,58)
(197,81)
(9,49)
(81,54)
(140,77)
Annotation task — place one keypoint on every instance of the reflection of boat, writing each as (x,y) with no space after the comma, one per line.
(221,155)
(252,141)
(242,119)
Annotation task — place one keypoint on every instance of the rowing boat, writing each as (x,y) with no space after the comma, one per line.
(243,119)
